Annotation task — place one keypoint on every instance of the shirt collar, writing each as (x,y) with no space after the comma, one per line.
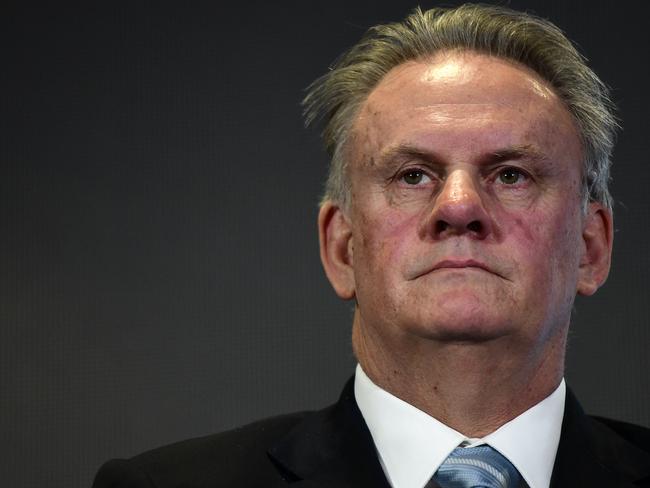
(412,445)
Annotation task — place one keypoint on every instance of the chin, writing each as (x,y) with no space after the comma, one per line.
(457,312)
(446,330)
(466,334)
(462,321)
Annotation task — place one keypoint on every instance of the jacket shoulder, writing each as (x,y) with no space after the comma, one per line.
(236,457)
(636,435)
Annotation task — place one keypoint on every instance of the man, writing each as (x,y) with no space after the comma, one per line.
(466,205)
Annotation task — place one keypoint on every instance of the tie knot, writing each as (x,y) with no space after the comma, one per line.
(477,467)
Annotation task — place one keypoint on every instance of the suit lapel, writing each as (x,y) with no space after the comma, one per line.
(331,448)
(591,454)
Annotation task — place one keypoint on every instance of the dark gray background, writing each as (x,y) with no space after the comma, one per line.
(159,265)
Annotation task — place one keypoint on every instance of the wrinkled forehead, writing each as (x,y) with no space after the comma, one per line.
(455,95)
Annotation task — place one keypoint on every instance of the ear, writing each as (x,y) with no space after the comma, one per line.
(335,238)
(597,235)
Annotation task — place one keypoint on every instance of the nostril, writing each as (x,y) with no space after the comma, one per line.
(441,226)
(475,226)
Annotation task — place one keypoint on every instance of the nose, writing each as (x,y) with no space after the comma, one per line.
(459,209)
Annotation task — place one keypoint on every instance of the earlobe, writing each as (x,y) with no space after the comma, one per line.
(336,249)
(597,235)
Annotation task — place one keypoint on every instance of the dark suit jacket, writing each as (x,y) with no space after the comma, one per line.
(332,448)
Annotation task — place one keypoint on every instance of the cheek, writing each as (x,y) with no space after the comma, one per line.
(386,237)
(548,242)
(524,233)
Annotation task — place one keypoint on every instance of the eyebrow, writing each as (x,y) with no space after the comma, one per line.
(407,150)
(526,152)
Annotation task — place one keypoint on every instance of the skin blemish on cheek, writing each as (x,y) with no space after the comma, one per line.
(393,231)
(396,199)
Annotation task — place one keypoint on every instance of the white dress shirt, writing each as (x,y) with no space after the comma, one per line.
(412,445)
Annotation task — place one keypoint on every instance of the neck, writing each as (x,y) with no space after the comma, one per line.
(473,388)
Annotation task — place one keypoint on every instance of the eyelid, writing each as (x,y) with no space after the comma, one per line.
(399,175)
(491,173)
(418,165)
(495,172)
(524,179)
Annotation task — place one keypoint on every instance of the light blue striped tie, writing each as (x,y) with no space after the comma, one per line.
(477,467)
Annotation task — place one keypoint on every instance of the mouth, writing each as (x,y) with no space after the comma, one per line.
(460,264)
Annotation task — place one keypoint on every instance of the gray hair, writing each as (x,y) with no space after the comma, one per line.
(496,31)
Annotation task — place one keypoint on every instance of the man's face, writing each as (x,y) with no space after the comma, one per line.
(465,217)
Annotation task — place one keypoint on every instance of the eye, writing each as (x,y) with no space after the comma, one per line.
(511,176)
(414,177)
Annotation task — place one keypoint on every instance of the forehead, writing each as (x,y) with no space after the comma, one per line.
(463,101)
